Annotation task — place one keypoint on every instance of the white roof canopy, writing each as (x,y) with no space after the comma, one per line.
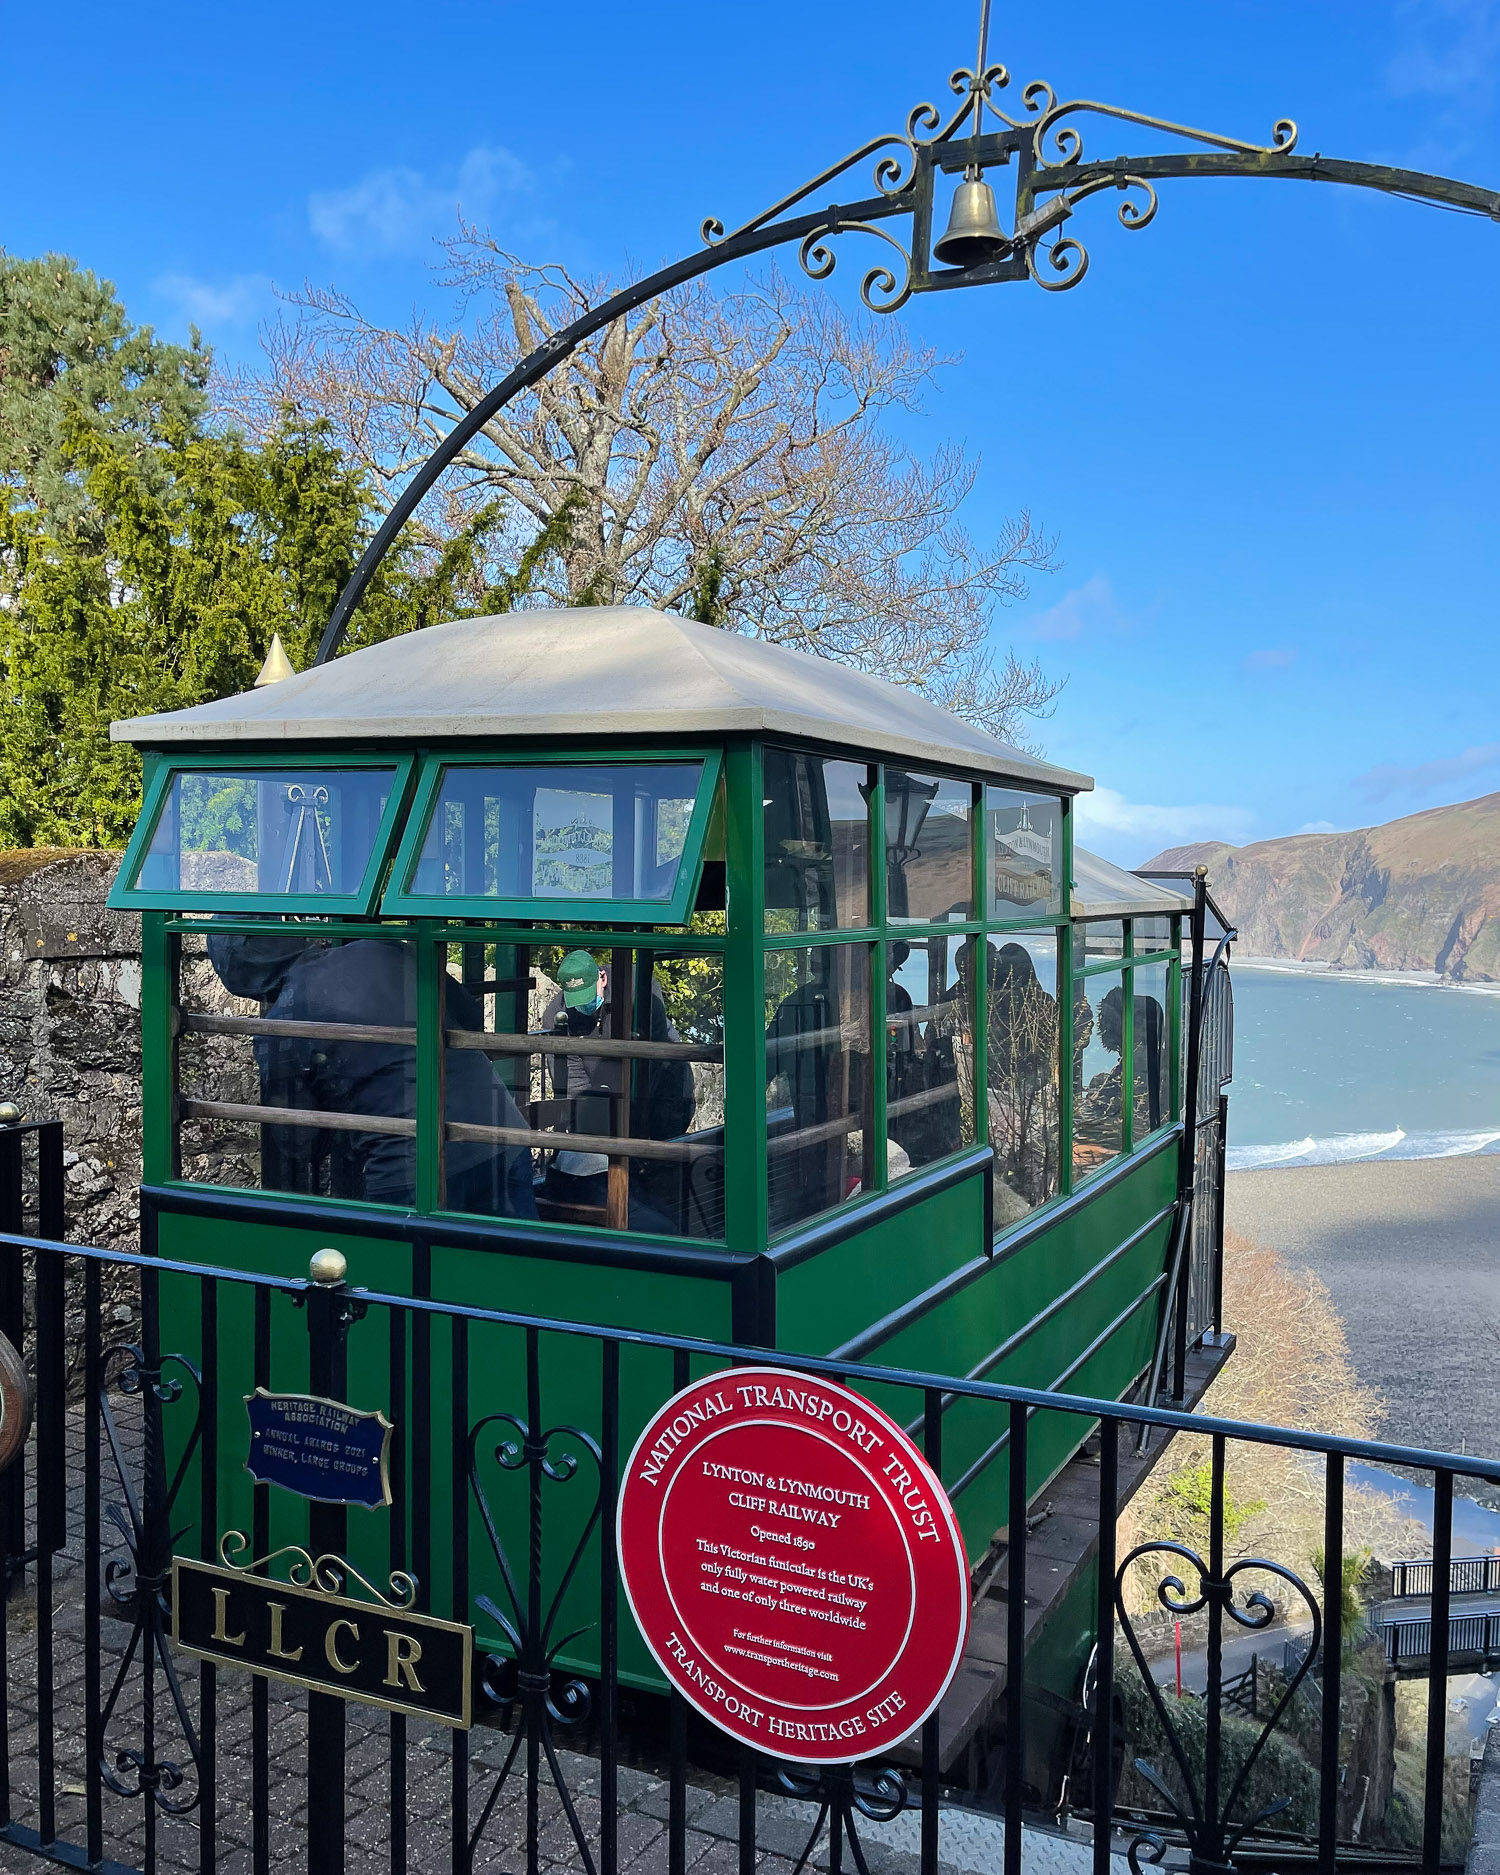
(596,672)
(1104,890)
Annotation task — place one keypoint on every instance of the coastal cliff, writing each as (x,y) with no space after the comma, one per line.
(1420,893)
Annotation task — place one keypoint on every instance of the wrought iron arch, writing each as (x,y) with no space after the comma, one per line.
(1052,180)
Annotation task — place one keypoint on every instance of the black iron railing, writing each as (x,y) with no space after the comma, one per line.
(1473,1644)
(1467,1575)
(117,1752)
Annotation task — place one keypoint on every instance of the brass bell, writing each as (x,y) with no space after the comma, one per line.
(974,233)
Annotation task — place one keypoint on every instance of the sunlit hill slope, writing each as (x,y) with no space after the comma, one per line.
(1420,893)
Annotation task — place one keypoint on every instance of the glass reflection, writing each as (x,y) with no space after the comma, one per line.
(1023,853)
(302,831)
(576,833)
(817,842)
(1021,1071)
(929,1053)
(1150,1051)
(1098,1046)
(929,859)
(818,1082)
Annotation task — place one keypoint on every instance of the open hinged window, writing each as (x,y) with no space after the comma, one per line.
(233,834)
(586,839)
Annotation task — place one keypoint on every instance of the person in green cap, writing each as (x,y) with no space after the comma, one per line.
(591,1086)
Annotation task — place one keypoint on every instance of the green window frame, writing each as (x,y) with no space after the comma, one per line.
(1125,967)
(162,770)
(400,901)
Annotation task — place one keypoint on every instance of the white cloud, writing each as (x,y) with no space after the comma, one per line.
(1450,49)
(1389,778)
(1138,829)
(205,303)
(1087,608)
(1318,826)
(1271,658)
(393,211)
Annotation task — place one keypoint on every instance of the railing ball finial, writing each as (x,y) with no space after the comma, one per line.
(10,1113)
(328,1267)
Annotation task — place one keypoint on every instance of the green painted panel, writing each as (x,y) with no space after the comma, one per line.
(964,1331)
(570,1370)
(828,1300)
(276,1250)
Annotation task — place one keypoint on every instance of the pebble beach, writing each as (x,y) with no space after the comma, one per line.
(1410,1253)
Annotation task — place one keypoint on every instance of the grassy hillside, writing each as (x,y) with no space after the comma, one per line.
(1420,893)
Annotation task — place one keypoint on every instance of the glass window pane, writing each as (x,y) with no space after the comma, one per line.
(611,1135)
(1150,1051)
(300,831)
(817,842)
(1023,853)
(1098,1041)
(1151,934)
(327,1106)
(929,1053)
(1021,1068)
(818,1082)
(560,832)
(1103,940)
(929,859)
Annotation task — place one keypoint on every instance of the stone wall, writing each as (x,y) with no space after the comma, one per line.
(70,1034)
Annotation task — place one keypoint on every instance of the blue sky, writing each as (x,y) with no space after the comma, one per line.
(1264,427)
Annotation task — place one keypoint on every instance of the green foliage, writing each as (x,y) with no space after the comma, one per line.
(172,600)
(71,362)
(175,602)
(1354,1566)
(708,601)
(1190,1494)
(1280,1772)
(146,562)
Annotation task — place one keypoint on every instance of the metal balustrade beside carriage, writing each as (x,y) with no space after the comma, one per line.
(120,1753)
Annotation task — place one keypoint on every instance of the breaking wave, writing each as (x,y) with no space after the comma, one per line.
(1349,1148)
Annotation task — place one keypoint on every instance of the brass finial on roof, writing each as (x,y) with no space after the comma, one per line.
(277,664)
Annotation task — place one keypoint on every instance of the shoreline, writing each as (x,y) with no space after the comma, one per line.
(1409,1250)
(1394,1147)
(1362,973)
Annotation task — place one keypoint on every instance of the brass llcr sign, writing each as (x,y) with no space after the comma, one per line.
(330,1643)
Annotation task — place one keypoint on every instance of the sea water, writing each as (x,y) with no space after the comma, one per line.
(1337,1066)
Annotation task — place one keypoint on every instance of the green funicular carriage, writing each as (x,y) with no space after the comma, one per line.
(801,1117)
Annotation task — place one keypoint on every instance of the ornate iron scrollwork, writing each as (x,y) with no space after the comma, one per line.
(328,1574)
(526,1680)
(138,1581)
(876,1791)
(976,136)
(1207,1818)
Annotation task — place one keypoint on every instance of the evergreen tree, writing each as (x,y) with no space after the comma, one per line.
(173,598)
(71,362)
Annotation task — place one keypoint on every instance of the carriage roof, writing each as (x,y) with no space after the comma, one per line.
(593,672)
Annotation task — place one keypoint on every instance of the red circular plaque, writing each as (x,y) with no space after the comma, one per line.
(793,1564)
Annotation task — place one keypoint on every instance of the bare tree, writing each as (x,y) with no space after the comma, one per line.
(716,453)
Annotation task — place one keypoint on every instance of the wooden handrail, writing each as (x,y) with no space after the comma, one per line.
(545,1042)
(299,1116)
(298,1031)
(673,1150)
(538,1042)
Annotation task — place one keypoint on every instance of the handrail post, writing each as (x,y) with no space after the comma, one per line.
(328,1319)
(1188,1164)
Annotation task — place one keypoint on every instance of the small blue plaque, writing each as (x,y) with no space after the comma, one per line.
(319,1448)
